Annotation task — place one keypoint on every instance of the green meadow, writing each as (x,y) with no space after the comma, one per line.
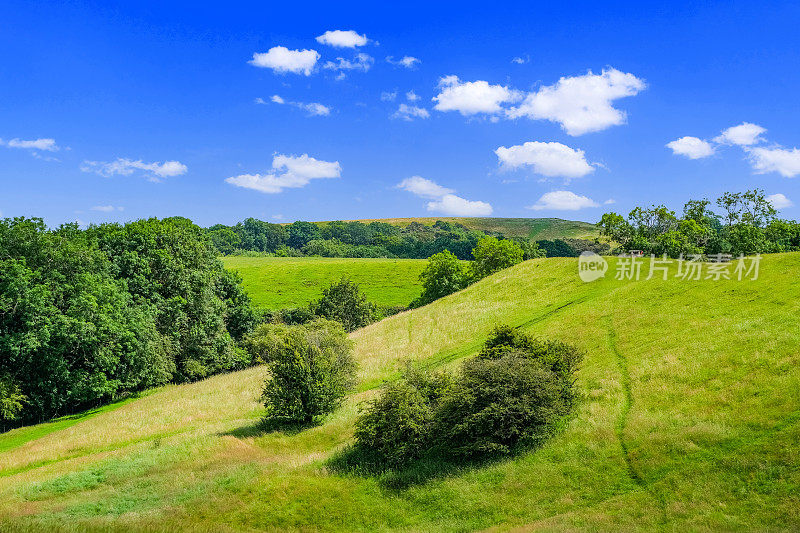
(689,419)
(279,282)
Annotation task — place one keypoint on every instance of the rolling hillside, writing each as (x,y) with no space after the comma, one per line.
(532,228)
(689,420)
(279,282)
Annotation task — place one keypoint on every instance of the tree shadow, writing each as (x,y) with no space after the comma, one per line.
(434,464)
(265,426)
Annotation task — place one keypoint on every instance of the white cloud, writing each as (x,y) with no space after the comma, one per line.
(563,201)
(107,208)
(691,147)
(405,61)
(47,145)
(389,97)
(410,112)
(424,188)
(342,39)
(288,171)
(411,96)
(781,160)
(443,200)
(361,62)
(312,108)
(745,134)
(282,60)
(456,206)
(551,159)
(126,167)
(581,104)
(779,201)
(521,60)
(610,201)
(472,97)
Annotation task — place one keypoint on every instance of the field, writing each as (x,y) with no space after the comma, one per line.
(689,420)
(531,228)
(278,282)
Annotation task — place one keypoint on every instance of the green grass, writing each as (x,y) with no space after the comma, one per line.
(689,420)
(17,437)
(278,282)
(532,228)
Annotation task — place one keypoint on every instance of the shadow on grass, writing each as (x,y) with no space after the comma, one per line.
(265,426)
(435,464)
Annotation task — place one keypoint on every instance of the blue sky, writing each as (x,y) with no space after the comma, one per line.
(110,111)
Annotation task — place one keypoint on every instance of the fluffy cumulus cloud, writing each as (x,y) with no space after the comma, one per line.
(411,96)
(763,159)
(581,104)
(387,96)
(443,200)
(342,39)
(472,97)
(288,172)
(745,134)
(312,108)
(784,161)
(455,206)
(779,201)
(126,167)
(691,147)
(551,159)
(405,61)
(423,187)
(46,145)
(282,60)
(410,112)
(563,201)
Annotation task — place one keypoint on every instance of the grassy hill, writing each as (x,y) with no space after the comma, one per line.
(278,282)
(689,419)
(532,228)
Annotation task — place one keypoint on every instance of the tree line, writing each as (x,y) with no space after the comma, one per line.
(748,224)
(373,239)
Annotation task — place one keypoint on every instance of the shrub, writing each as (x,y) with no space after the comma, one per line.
(444,274)
(311,369)
(344,302)
(530,249)
(397,425)
(496,403)
(514,392)
(492,255)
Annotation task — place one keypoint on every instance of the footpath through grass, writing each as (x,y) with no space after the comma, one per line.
(689,420)
(278,282)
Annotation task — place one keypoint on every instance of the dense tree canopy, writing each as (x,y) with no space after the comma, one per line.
(747,226)
(88,315)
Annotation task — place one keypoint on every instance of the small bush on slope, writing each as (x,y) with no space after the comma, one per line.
(344,302)
(444,274)
(397,425)
(492,255)
(513,392)
(311,369)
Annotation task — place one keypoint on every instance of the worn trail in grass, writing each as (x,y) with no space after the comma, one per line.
(696,427)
